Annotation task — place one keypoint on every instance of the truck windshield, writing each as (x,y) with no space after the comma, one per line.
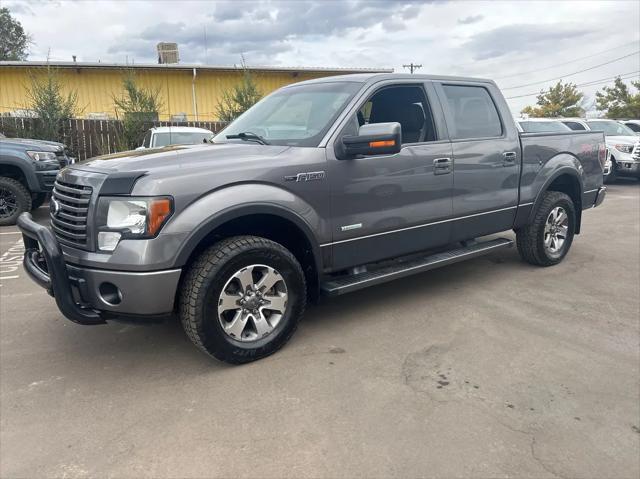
(542,126)
(293,116)
(611,128)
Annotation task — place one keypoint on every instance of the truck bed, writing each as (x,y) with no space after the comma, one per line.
(547,151)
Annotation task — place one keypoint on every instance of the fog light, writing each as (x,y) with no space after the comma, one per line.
(110,293)
(108,240)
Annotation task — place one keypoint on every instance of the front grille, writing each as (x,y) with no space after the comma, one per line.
(69,220)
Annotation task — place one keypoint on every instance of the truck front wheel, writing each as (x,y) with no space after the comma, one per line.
(547,239)
(15,199)
(242,299)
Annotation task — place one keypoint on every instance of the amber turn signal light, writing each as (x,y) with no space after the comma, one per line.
(382,143)
(159,211)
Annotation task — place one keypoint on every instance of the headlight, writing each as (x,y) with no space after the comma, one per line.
(130,218)
(42,155)
(624,148)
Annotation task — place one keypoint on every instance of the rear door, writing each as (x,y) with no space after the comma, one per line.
(486,159)
(389,205)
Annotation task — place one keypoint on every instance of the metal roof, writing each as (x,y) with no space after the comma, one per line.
(186,66)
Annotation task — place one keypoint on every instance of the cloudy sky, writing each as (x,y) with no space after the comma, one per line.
(524,46)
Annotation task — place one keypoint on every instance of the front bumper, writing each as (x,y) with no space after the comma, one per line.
(628,168)
(91,296)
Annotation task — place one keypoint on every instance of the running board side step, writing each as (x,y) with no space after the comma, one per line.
(347,284)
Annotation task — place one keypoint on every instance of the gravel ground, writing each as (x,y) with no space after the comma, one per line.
(488,368)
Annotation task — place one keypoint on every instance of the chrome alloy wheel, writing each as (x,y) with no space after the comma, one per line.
(556,230)
(252,303)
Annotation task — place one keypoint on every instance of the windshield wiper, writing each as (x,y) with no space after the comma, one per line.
(248,136)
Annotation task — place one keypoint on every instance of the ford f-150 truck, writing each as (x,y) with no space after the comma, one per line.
(321,188)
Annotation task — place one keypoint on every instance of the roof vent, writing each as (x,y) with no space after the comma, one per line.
(168,53)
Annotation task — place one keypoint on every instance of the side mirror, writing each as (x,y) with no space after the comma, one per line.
(374,139)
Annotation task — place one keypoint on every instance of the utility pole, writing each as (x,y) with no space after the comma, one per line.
(411,66)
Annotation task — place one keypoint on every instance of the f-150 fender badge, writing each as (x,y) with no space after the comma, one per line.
(309,176)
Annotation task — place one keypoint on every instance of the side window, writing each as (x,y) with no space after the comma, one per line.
(474,113)
(574,125)
(147,140)
(635,127)
(406,105)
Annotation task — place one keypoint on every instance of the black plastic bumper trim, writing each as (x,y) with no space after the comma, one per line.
(44,263)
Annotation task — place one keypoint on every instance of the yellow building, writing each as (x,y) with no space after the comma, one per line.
(188,92)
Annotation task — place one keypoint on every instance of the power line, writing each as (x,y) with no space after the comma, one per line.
(573,73)
(566,63)
(623,76)
(412,66)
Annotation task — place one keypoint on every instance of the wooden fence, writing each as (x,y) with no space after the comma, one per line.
(89,138)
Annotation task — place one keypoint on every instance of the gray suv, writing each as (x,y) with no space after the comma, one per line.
(322,188)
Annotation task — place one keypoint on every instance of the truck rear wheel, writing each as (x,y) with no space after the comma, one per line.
(15,199)
(546,241)
(242,299)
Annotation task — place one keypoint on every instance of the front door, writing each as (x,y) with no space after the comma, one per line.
(486,158)
(386,206)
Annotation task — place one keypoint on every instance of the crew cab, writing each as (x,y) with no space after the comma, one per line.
(622,142)
(322,188)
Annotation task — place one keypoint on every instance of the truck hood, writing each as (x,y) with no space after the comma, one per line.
(179,159)
(42,145)
(621,140)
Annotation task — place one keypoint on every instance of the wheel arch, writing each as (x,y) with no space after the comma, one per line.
(269,221)
(565,179)
(11,168)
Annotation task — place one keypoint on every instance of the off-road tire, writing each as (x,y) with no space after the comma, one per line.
(205,280)
(530,239)
(21,195)
(37,200)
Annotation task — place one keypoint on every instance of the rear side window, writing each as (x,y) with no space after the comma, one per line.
(474,113)
(574,125)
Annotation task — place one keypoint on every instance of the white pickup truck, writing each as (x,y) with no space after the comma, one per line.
(622,143)
(160,136)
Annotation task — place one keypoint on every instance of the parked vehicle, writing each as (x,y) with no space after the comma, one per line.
(623,145)
(539,125)
(161,136)
(28,169)
(633,125)
(322,188)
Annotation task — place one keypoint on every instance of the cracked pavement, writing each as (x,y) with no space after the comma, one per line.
(488,368)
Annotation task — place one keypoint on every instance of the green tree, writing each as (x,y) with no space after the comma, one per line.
(138,107)
(50,104)
(14,41)
(240,98)
(618,102)
(559,100)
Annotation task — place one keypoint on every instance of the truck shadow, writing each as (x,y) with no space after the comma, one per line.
(146,350)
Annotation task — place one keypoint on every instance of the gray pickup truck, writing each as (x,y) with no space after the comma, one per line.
(28,169)
(322,188)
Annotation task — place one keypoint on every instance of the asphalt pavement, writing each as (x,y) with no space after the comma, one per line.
(487,368)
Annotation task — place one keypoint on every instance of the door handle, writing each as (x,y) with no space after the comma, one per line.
(509,158)
(442,166)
